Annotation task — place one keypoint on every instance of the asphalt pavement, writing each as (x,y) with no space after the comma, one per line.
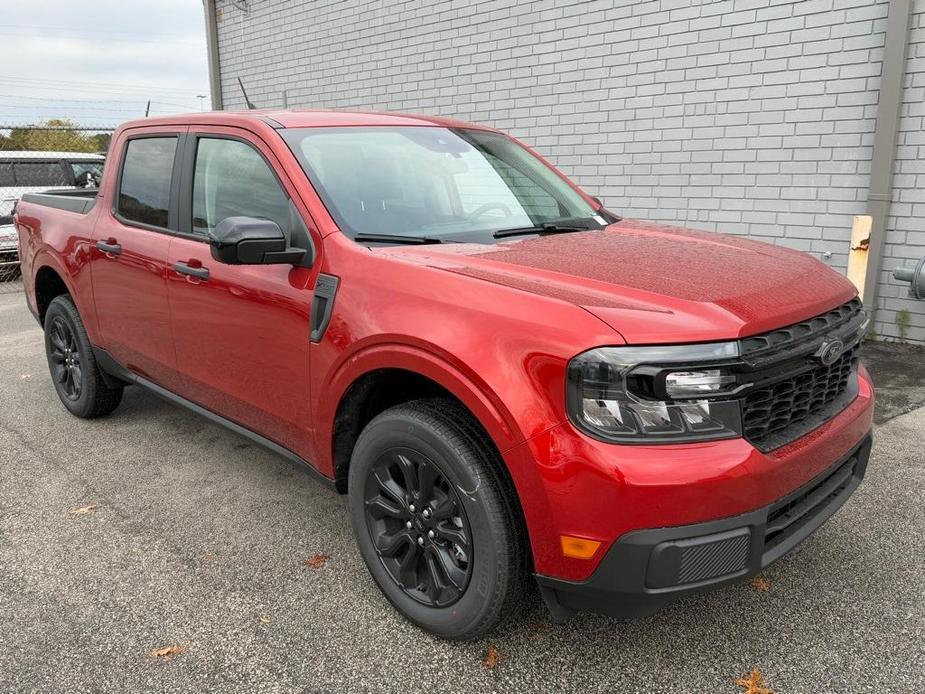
(197,539)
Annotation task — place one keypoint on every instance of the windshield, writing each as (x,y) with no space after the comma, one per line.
(456,184)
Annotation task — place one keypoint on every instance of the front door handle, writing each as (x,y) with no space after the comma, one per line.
(110,246)
(185,269)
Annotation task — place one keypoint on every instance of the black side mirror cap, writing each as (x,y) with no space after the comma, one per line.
(252,241)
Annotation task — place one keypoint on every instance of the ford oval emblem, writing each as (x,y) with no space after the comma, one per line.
(830,351)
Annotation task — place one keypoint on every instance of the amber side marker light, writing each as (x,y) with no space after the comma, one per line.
(578,547)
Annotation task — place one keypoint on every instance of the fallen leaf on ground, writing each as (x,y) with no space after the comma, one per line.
(264,619)
(89,508)
(761,583)
(208,556)
(167,652)
(317,561)
(26,377)
(492,657)
(754,683)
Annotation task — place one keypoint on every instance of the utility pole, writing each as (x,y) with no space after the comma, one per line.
(202,101)
(148,108)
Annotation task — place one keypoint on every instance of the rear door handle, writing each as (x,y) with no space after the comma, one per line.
(110,246)
(184,269)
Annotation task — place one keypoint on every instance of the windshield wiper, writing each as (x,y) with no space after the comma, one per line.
(548,228)
(398,238)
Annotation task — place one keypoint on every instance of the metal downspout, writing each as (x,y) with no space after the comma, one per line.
(881,168)
(215,81)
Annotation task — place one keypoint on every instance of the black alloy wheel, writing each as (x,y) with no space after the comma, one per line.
(418,527)
(80,383)
(436,523)
(64,358)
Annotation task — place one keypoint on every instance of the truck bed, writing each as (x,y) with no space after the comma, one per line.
(80,201)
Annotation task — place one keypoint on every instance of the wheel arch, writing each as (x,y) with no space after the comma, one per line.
(47,284)
(381,376)
(405,372)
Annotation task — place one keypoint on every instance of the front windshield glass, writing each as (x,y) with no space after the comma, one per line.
(457,184)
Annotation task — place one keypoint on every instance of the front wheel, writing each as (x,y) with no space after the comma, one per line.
(433,520)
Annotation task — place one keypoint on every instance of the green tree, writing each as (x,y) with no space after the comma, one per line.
(54,135)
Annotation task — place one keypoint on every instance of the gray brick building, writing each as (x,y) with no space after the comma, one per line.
(752,117)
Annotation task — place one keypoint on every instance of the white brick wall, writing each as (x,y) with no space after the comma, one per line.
(905,241)
(747,116)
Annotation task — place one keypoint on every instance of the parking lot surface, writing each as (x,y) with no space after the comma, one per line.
(199,539)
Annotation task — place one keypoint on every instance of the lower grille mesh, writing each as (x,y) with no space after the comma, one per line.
(703,561)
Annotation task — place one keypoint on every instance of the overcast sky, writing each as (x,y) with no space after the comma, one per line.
(98,62)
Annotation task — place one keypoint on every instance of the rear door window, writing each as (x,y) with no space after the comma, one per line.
(144,187)
(36,174)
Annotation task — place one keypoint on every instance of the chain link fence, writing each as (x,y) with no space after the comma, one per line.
(55,155)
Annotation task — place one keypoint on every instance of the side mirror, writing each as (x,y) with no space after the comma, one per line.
(252,241)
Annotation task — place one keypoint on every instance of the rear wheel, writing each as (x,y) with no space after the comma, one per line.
(74,372)
(433,520)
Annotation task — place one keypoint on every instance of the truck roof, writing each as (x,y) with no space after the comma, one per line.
(298,118)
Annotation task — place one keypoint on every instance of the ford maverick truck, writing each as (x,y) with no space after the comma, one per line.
(512,385)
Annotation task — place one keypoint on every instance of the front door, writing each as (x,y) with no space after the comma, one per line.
(129,260)
(241,331)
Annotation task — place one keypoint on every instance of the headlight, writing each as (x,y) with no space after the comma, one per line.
(690,384)
(655,394)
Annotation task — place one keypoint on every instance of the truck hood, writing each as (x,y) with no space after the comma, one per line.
(654,284)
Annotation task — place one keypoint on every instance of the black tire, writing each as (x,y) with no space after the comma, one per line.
(74,372)
(441,434)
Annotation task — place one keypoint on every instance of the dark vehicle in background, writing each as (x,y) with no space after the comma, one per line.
(35,172)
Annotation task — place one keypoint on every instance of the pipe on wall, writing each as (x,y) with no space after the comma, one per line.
(892,77)
(215,81)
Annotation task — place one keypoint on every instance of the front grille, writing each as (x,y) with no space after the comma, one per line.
(773,414)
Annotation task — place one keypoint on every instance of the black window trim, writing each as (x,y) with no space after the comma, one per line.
(180,137)
(180,205)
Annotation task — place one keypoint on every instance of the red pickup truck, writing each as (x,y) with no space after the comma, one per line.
(511,384)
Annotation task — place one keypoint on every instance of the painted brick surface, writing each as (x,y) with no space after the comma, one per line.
(750,117)
(905,241)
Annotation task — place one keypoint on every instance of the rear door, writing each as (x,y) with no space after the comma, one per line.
(129,261)
(241,331)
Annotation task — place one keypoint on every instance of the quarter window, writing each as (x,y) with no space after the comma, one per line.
(231,179)
(144,193)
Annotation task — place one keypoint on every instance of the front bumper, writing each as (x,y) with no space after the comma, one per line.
(646,569)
